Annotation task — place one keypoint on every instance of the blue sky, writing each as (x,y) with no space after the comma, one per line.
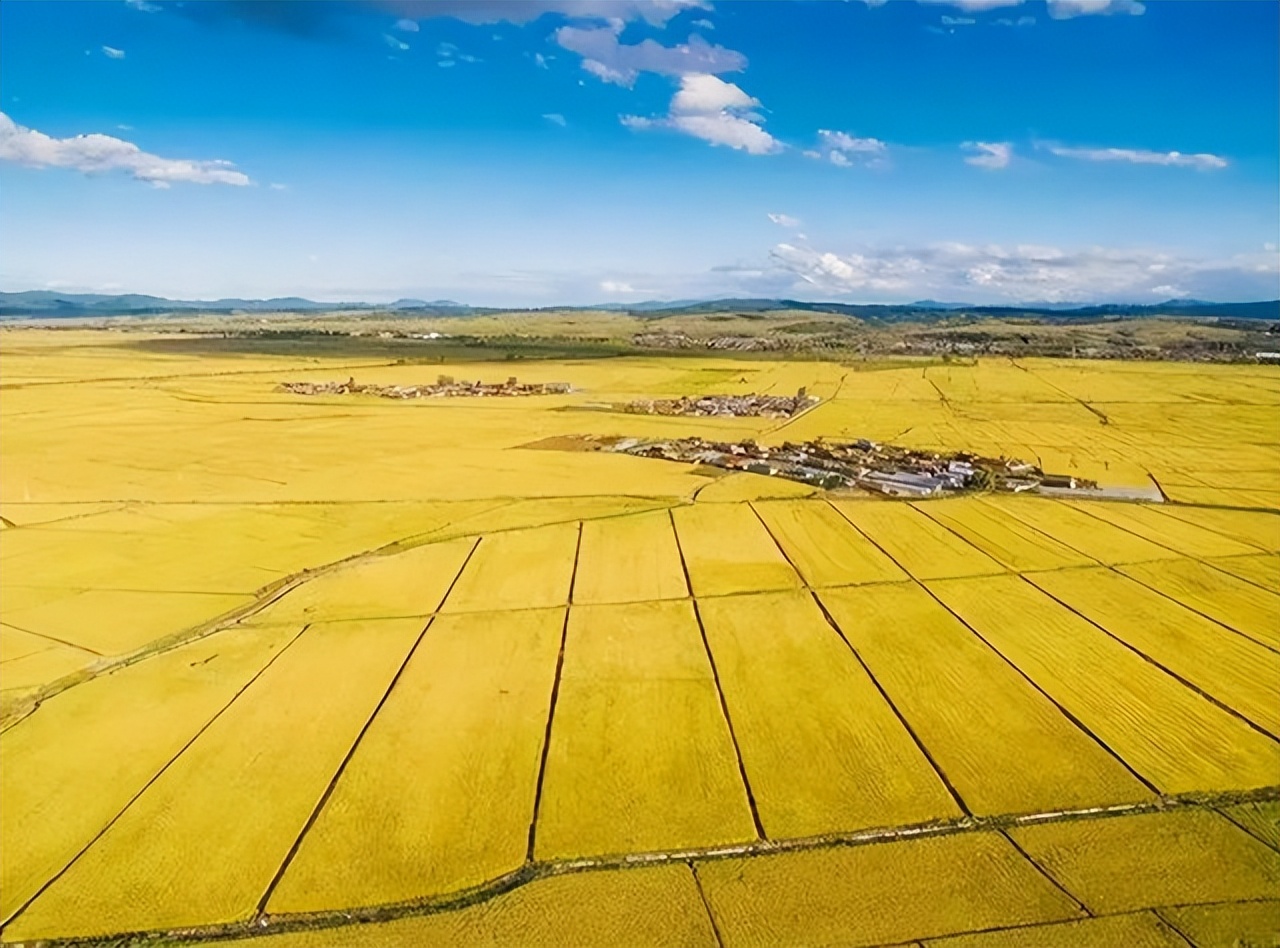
(578,151)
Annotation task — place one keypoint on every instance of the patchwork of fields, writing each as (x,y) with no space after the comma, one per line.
(270,665)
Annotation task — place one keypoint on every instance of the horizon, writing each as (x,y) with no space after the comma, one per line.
(617,152)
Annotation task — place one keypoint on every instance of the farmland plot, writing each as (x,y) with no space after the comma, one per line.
(1262,569)
(1002,744)
(1234,669)
(75,762)
(465,722)
(879,895)
(629,559)
(523,569)
(202,843)
(1175,858)
(727,550)
(641,756)
(838,758)
(1174,737)
(1175,533)
(1003,538)
(1233,602)
(824,547)
(922,547)
(1098,540)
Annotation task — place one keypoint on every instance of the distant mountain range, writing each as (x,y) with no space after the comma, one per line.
(49,304)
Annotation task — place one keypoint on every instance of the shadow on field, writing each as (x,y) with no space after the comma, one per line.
(335,346)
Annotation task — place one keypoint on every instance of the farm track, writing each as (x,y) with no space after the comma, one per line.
(264,923)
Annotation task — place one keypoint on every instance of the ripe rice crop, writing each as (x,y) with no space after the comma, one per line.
(838,760)
(1002,744)
(629,559)
(1233,602)
(1174,737)
(1234,669)
(523,569)
(727,550)
(464,723)
(879,895)
(202,843)
(1100,541)
(923,548)
(1002,537)
(641,757)
(824,547)
(73,764)
(1175,858)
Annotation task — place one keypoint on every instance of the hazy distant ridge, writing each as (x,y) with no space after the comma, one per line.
(47,303)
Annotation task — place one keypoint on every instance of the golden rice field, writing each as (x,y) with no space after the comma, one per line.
(282,671)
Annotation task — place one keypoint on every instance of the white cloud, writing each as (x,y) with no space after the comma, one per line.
(716,111)
(703,24)
(616,286)
(395,42)
(276,186)
(607,59)
(958,20)
(654,12)
(785,220)
(1058,9)
(990,155)
(1067,9)
(1020,21)
(541,60)
(142,6)
(974,6)
(112,53)
(555,118)
(407,26)
(1023,273)
(102,153)
(845,150)
(1140,156)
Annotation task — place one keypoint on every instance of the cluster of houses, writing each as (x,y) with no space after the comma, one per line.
(881,468)
(740,406)
(445,387)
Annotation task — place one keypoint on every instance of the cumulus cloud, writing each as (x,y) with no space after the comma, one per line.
(112,53)
(102,153)
(845,150)
(1024,273)
(1067,9)
(316,20)
(1140,156)
(555,118)
(406,25)
(1058,9)
(990,155)
(607,59)
(958,20)
(654,12)
(973,6)
(395,42)
(784,220)
(142,6)
(716,111)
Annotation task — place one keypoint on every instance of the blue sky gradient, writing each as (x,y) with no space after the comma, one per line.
(569,151)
